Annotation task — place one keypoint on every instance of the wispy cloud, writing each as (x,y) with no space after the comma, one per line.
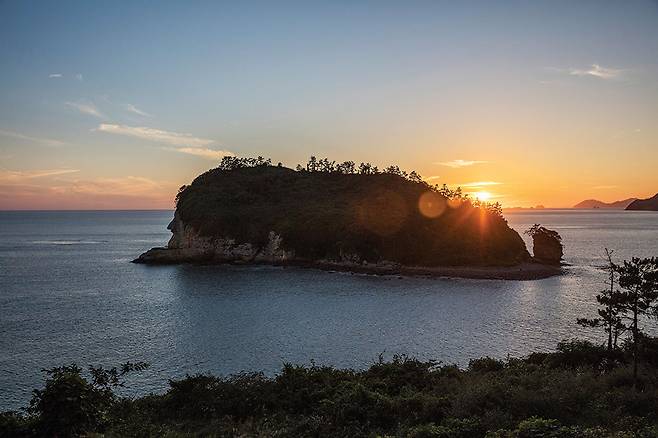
(129,185)
(478,184)
(604,187)
(17,176)
(86,108)
(55,75)
(133,109)
(156,135)
(210,154)
(79,77)
(597,71)
(22,190)
(456,164)
(44,141)
(432,178)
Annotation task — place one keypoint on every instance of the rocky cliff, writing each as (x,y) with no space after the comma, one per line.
(187,245)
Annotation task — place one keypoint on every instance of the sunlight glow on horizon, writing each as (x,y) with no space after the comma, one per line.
(482,196)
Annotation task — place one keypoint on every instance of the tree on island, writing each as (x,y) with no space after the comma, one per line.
(324,165)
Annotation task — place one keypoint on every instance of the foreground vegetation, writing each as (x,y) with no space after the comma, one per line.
(582,390)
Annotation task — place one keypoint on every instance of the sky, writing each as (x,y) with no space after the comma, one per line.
(116,105)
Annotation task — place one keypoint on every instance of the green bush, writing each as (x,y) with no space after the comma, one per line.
(485,364)
(565,394)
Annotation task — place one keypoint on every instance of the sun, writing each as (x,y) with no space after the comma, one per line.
(482,196)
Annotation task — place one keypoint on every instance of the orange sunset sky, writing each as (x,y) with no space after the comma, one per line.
(533,103)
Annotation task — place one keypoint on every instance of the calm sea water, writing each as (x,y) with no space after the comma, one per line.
(69,294)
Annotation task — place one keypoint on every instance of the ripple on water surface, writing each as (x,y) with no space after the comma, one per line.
(69,294)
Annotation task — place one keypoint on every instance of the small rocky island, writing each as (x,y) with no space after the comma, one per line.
(341,217)
(546,245)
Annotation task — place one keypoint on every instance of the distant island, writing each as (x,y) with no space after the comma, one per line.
(341,217)
(536,207)
(650,204)
(594,203)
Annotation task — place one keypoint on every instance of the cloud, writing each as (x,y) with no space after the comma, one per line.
(126,186)
(79,76)
(432,178)
(456,164)
(86,108)
(130,192)
(156,135)
(597,71)
(55,75)
(44,141)
(210,154)
(18,176)
(604,187)
(478,184)
(134,109)
(186,143)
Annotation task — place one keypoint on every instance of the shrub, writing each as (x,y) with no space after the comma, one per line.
(565,394)
(485,364)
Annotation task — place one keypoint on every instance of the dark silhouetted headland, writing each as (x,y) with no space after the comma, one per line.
(340,216)
(650,204)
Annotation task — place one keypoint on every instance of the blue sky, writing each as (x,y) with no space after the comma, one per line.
(115,105)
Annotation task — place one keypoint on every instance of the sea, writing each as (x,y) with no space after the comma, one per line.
(69,294)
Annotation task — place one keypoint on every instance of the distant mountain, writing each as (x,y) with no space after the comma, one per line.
(650,204)
(617,205)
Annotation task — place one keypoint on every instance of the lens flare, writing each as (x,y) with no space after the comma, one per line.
(431,204)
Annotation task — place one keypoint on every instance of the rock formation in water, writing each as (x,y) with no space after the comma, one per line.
(546,245)
(650,204)
(247,210)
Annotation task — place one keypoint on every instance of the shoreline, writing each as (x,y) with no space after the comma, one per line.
(522,272)
(531,270)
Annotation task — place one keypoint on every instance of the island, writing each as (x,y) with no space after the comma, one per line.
(595,203)
(343,217)
(650,204)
